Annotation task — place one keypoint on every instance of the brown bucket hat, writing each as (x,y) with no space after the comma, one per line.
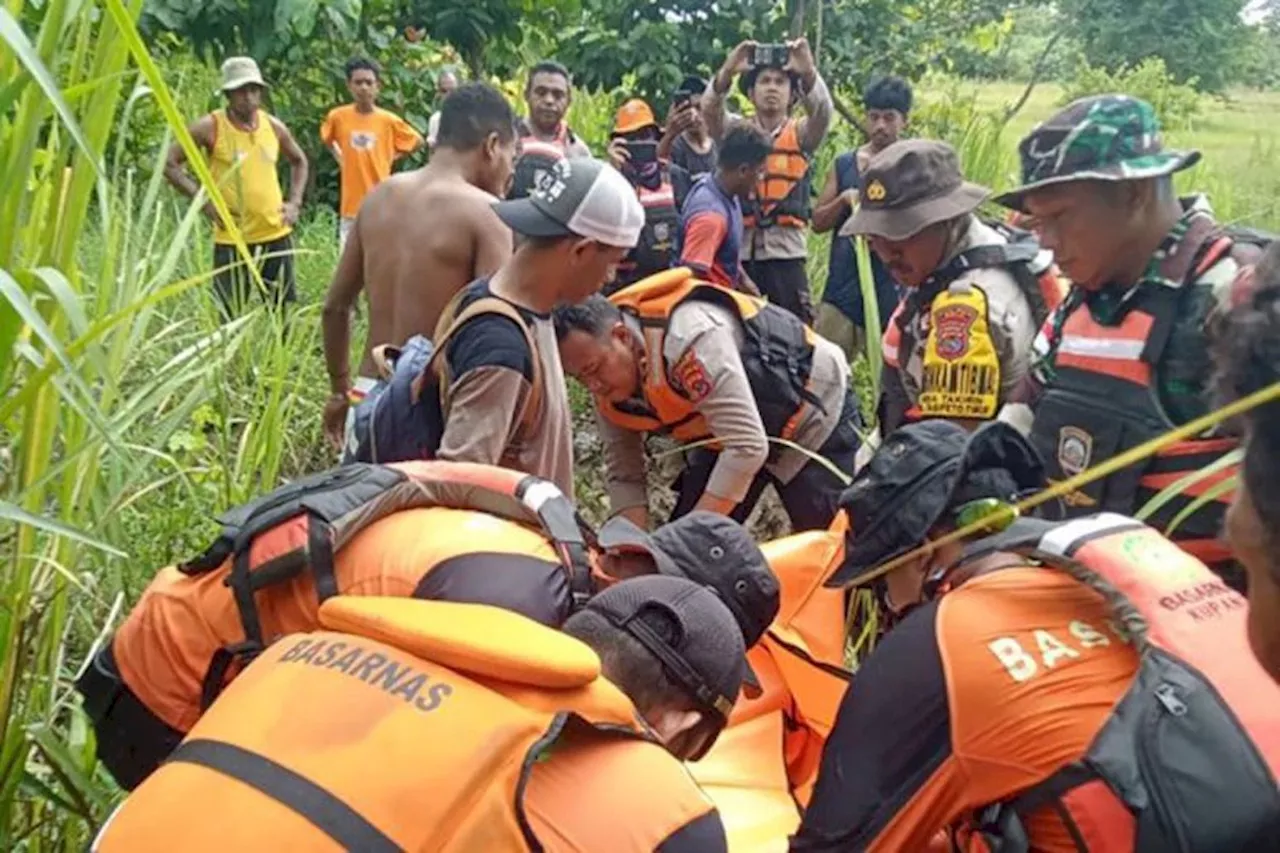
(909,186)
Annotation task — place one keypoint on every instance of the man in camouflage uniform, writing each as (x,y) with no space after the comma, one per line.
(1125,357)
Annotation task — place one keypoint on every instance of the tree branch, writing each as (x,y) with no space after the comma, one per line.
(847,114)
(1036,73)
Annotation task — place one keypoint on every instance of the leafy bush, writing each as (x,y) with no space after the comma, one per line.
(1177,104)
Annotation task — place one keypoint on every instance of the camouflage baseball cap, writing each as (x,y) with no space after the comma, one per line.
(1102,138)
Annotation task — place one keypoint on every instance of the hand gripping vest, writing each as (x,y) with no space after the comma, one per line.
(782,196)
(1188,760)
(400,725)
(1103,401)
(777,355)
(766,760)
(291,536)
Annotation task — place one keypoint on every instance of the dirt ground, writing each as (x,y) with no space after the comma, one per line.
(769,521)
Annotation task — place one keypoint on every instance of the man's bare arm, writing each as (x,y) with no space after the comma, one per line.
(299,169)
(713,111)
(175,164)
(829,206)
(335,324)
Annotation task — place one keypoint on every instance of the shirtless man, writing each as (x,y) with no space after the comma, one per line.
(420,237)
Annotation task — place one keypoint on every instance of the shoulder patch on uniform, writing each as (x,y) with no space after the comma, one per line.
(954,325)
(691,377)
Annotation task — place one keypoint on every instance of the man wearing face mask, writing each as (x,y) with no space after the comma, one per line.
(633,150)
(1051,686)
(960,342)
(500,734)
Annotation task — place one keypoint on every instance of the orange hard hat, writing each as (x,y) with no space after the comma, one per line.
(634,115)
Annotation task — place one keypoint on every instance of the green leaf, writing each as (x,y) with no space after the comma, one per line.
(14,513)
(1210,495)
(1175,489)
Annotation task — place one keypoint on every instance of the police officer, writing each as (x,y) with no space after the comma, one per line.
(1051,686)
(487,732)
(633,150)
(961,339)
(1125,357)
(436,531)
(681,356)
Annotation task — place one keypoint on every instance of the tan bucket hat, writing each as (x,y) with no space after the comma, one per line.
(241,71)
(909,186)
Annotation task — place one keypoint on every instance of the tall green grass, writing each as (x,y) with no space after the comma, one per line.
(114,351)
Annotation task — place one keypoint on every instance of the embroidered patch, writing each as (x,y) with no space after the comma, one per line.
(691,377)
(1075,450)
(954,325)
(876,191)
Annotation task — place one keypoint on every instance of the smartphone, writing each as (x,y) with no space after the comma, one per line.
(770,55)
(641,152)
(681,98)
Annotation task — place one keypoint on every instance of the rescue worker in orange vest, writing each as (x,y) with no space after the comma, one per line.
(488,731)
(431,530)
(775,77)
(633,151)
(1248,360)
(959,343)
(676,355)
(545,138)
(761,771)
(1125,357)
(1067,686)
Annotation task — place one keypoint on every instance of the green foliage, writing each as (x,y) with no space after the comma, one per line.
(1198,42)
(488,34)
(1177,104)
(1259,56)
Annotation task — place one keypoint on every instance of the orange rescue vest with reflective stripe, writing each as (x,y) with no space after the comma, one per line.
(777,356)
(1198,696)
(406,725)
(782,195)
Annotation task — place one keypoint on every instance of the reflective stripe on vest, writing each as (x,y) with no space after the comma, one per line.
(1100,400)
(782,195)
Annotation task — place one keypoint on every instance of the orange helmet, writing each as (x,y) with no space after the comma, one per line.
(634,115)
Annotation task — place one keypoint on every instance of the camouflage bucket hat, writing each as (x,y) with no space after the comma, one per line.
(1102,138)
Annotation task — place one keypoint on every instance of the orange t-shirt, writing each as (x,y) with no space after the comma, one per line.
(369,146)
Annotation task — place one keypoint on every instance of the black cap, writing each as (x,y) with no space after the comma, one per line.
(688,629)
(717,552)
(921,470)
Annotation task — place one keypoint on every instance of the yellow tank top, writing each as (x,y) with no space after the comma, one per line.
(243,163)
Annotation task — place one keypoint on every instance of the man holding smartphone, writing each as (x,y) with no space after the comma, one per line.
(776,77)
(633,150)
(686,143)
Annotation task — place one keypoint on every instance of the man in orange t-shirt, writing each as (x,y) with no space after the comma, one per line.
(365,139)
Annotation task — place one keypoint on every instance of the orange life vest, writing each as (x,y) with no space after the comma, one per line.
(280,556)
(1103,400)
(762,769)
(782,195)
(777,356)
(1157,776)
(405,725)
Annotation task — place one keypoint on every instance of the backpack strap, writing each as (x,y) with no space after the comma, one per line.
(451,322)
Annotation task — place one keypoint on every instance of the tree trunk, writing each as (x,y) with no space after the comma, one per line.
(797,19)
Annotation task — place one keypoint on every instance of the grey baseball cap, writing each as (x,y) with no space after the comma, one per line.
(582,197)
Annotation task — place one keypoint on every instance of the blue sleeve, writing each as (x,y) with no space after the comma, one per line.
(701,835)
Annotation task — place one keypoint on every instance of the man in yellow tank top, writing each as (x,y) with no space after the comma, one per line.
(244,144)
